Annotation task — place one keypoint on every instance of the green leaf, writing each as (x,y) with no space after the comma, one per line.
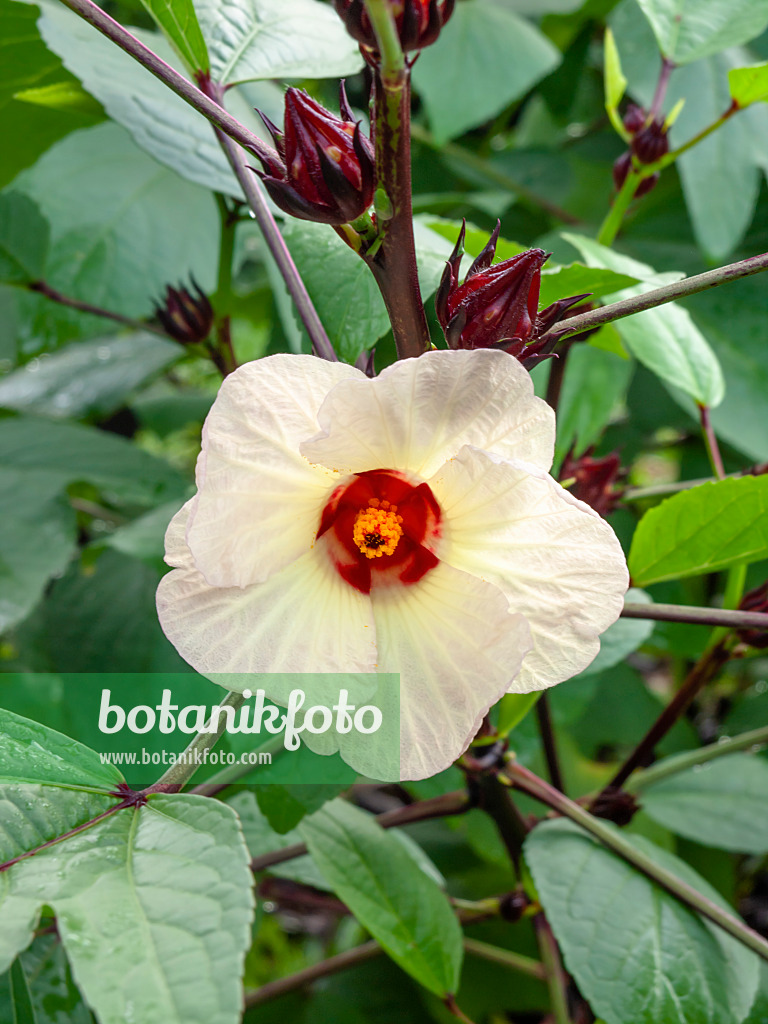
(622,638)
(70,452)
(160,893)
(64,96)
(103,614)
(353,311)
(144,538)
(594,387)
(55,996)
(700,530)
(23,239)
(513,707)
(475,48)
(122,227)
(25,59)
(37,540)
(637,954)
(285,806)
(688,32)
(665,339)
(734,321)
(250,39)
(23,1013)
(615,82)
(575,279)
(159,120)
(89,377)
(749,85)
(723,803)
(30,752)
(401,907)
(720,175)
(262,838)
(178,20)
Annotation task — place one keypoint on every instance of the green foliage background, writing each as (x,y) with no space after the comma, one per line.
(108,195)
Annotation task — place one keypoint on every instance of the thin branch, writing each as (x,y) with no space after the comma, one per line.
(334,964)
(195,97)
(667,67)
(612,838)
(423,810)
(658,296)
(702,672)
(752,740)
(505,958)
(547,733)
(696,616)
(556,978)
(321,344)
(43,288)
(710,442)
(192,757)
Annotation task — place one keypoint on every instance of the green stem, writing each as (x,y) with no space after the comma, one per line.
(505,957)
(223,301)
(681,762)
(610,837)
(556,978)
(669,158)
(180,773)
(232,773)
(658,296)
(392,66)
(735,582)
(615,216)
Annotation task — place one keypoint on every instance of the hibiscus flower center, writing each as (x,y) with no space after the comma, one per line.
(381,529)
(377,529)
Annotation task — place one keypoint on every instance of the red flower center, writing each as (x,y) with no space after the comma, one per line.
(381,529)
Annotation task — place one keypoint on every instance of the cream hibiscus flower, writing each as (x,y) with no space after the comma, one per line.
(401,524)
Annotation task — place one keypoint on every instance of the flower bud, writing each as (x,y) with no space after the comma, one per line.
(634,118)
(323,168)
(622,168)
(418,22)
(651,143)
(595,480)
(497,306)
(755,601)
(187,318)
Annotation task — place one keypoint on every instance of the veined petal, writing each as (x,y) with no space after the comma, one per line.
(419,412)
(555,559)
(304,618)
(456,645)
(259,500)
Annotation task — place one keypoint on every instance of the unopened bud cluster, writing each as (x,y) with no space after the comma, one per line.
(418,22)
(648,144)
(596,482)
(185,317)
(497,305)
(323,167)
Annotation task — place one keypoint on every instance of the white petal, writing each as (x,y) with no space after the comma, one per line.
(456,646)
(176,547)
(259,500)
(419,412)
(556,560)
(305,618)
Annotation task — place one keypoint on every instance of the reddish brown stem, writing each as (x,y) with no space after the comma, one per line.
(394,264)
(703,671)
